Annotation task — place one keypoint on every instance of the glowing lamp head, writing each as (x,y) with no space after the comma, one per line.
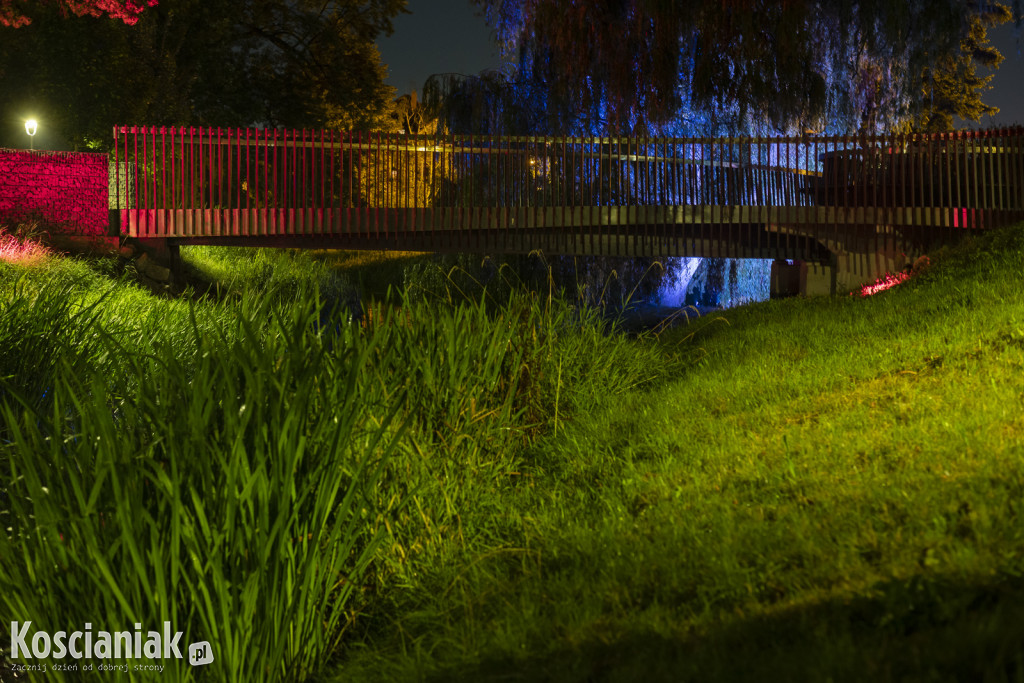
(30,127)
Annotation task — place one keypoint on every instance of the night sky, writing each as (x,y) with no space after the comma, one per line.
(1008,85)
(441,36)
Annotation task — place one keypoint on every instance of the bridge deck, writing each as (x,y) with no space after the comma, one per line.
(185,223)
(778,197)
(735,232)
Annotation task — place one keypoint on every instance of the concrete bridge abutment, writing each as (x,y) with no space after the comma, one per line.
(860,259)
(158,261)
(160,250)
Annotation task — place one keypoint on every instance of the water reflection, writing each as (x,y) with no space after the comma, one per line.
(725,283)
(611,283)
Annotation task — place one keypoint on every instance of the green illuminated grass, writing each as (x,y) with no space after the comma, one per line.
(252,467)
(827,490)
(819,490)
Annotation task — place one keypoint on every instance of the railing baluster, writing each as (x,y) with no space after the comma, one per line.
(903,153)
(920,179)
(1000,184)
(945,174)
(569,184)
(808,227)
(135,175)
(1016,141)
(144,173)
(1002,162)
(960,170)
(932,179)
(1017,138)
(154,205)
(378,183)
(990,179)
(330,206)
(645,199)
(785,223)
(666,179)
(352,205)
(980,178)
(873,174)
(976,196)
(117,180)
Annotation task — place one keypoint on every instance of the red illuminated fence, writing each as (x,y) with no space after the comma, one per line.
(731,195)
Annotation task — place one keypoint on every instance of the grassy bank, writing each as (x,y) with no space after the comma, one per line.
(497,488)
(827,490)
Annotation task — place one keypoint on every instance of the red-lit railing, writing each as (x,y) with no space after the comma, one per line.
(191,182)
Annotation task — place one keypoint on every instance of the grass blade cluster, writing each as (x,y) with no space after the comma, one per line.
(225,490)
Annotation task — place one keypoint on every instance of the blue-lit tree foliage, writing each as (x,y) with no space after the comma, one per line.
(723,66)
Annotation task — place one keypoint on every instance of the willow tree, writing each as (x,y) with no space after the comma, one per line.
(490,103)
(636,64)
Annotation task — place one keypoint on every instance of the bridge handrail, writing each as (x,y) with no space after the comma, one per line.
(188,169)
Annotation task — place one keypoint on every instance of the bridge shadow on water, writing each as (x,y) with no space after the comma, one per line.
(916,630)
(638,288)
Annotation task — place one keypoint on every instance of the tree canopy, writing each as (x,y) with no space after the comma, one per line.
(15,13)
(951,86)
(637,64)
(278,63)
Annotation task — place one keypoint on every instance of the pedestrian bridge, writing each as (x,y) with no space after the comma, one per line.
(851,207)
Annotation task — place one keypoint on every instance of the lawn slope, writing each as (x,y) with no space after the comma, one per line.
(829,489)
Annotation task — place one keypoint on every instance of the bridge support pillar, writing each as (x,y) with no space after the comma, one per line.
(802,278)
(820,279)
(860,258)
(785,279)
(871,262)
(162,251)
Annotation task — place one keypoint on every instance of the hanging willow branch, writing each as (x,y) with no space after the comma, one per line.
(636,64)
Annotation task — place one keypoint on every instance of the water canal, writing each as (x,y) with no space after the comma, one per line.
(614,283)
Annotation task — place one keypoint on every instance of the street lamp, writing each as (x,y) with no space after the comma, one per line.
(30,127)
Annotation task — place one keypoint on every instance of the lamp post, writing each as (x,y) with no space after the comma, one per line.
(30,127)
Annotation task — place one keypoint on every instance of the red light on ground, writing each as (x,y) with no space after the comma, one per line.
(884,283)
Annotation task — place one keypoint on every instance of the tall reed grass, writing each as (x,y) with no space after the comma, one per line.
(264,471)
(224,490)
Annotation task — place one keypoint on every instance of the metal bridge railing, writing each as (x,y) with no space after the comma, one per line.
(247,182)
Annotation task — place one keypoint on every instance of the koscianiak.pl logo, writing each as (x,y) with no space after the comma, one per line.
(79,650)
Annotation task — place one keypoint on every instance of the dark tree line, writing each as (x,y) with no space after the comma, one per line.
(292,63)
